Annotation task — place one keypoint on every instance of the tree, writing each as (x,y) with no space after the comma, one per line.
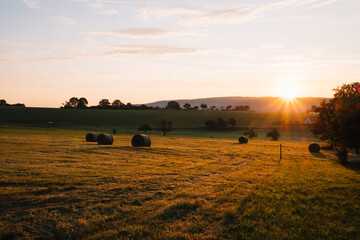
(212,108)
(173,105)
(145,127)
(117,104)
(221,123)
(196,107)
(250,133)
(72,103)
(2,102)
(187,106)
(228,108)
(164,126)
(274,134)
(210,124)
(339,120)
(232,122)
(104,103)
(82,103)
(203,106)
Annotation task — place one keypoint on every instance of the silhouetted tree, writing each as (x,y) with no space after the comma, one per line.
(164,126)
(212,108)
(339,120)
(228,108)
(232,122)
(250,133)
(221,123)
(173,105)
(210,124)
(203,106)
(196,107)
(187,106)
(104,103)
(274,134)
(145,127)
(82,103)
(72,103)
(2,102)
(117,104)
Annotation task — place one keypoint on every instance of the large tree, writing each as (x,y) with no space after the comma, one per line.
(2,102)
(82,103)
(104,103)
(117,104)
(145,127)
(72,103)
(173,105)
(339,120)
(164,126)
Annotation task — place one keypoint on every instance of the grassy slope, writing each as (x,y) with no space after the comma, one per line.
(53,185)
(186,123)
(133,119)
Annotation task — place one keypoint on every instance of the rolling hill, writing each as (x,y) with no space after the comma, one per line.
(260,104)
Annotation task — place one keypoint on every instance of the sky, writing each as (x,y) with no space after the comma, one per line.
(142,51)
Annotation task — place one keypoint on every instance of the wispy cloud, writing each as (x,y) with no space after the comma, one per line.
(32,3)
(65,20)
(131,50)
(100,6)
(203,16)
(140,33)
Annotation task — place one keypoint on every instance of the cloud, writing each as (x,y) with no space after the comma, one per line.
(140,33)
(32,3)
(204,16)
(99,5)
(131,50)
(65,20)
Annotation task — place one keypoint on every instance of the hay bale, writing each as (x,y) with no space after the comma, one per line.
(92,137)
(243,139)
(141,140)
(314,148)
(105,139)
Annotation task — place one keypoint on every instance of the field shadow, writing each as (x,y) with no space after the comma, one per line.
(319,155)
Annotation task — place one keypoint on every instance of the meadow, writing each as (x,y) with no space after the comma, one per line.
(55,185)
(185,123)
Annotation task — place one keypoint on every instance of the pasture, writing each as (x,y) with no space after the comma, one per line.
(54,185)
(185,123)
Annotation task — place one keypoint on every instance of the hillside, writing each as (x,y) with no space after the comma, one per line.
(261,104)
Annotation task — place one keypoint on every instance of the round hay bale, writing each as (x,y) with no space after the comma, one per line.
(314,148)
(243,139)
(92,137)
(141,140)
(105,139)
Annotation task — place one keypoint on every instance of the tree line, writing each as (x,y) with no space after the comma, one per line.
(82,103)
(3,103)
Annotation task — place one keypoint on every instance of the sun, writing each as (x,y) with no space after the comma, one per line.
(288,92)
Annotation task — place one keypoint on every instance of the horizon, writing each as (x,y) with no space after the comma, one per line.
(142,51)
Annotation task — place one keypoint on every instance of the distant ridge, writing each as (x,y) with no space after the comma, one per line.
(260,104)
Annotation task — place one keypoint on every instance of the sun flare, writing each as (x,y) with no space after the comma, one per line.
(288,92)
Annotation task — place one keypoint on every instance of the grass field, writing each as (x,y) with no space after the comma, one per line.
(54,185)
(186,123)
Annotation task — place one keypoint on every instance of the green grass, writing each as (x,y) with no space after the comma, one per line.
(54,185)
(186,123)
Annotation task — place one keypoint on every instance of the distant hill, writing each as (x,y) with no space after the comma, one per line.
(260,104)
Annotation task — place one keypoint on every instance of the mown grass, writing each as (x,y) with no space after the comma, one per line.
(54,185)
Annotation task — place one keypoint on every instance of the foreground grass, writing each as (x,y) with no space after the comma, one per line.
(54,185)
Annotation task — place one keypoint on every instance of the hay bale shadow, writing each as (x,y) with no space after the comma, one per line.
(319,155)
(178,210)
